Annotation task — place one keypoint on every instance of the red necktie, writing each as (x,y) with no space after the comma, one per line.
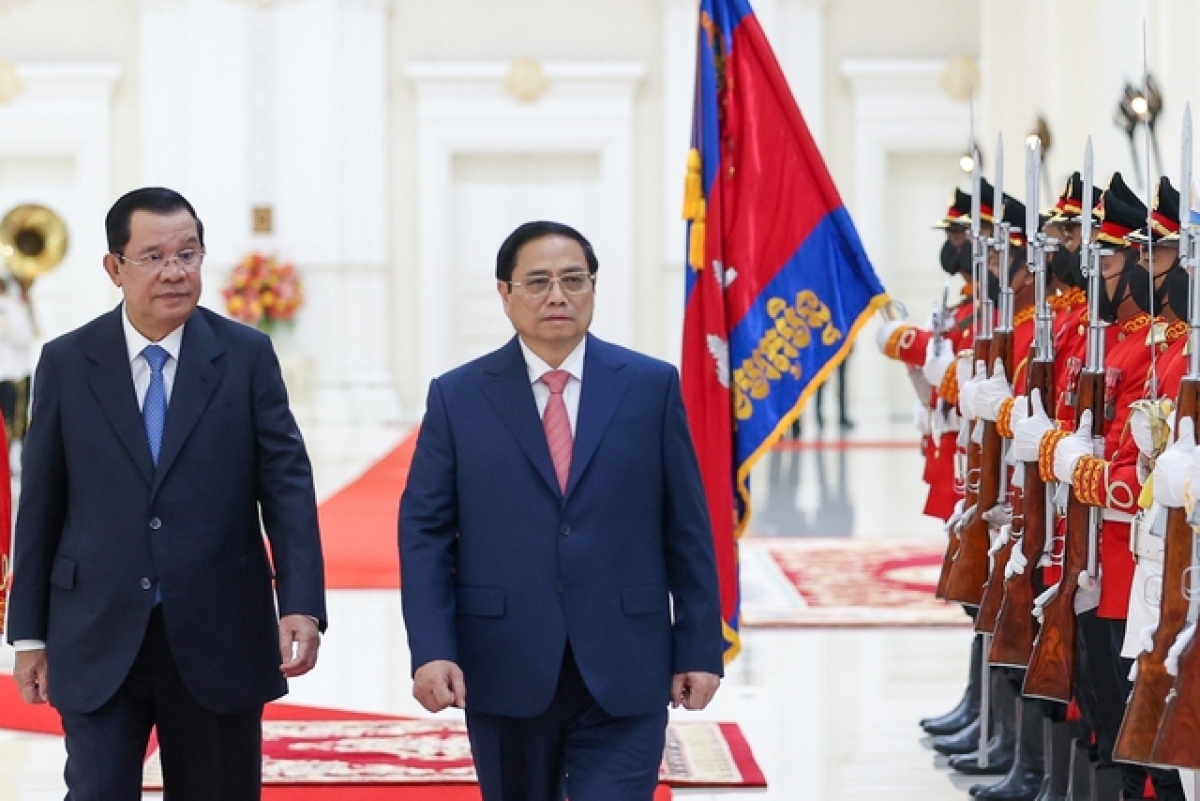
(558,426)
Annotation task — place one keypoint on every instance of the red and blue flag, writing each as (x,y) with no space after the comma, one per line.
(778,283)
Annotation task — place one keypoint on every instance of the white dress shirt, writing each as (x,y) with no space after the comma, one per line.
(135,343)
(573,364)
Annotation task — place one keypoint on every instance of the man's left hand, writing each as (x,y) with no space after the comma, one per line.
(693,690)
(299,640)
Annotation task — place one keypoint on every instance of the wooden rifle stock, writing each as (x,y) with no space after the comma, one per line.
(1147,703)
(971,562)
(1178,735)
(1012,640)
(970,487)
(992,593)
(1052,666)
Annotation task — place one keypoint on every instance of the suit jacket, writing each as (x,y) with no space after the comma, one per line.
(98,524)
(499,568)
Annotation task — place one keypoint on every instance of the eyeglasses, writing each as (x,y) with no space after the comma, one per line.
(188,259)
(539,285)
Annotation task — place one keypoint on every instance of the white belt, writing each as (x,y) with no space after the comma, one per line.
(1114,516)
(1146,534)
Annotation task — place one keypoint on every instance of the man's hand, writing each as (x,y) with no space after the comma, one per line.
(693,690)
(439,684)
(299,639)
(29,671)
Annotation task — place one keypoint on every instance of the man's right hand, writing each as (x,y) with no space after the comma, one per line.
(29,671)
(438,685)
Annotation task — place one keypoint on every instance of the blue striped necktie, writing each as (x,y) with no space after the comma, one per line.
(154,408)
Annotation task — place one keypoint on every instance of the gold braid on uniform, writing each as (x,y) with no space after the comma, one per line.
(1135,323)
(1046,448)
(1024,315)
(948,389)
(892,348)
(1087,479)
(1068,300)
(1176,329)
(1004,418)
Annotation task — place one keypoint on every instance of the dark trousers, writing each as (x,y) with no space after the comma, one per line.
(205,756)
(573,747)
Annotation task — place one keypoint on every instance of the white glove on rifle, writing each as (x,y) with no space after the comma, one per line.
(1087,597)
(939,357)
(1174,466)
(992,393)
(967,391)
(1016,564)
(964,366)
(1027,434)
(1178,647)
(1071,449)
(955,516)
(1042,601)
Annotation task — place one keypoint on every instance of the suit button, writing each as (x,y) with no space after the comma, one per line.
(564,530)
(155,523)
(146,583)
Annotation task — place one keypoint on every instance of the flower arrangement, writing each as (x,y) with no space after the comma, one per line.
(263,292)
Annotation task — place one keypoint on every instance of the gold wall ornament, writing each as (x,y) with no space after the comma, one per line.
(526,81)
(960,78)
(10,81)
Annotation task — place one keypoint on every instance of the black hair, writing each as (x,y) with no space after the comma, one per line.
(506,257)
(155,199)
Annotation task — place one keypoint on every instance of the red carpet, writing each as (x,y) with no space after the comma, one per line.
(16,715)
(844,582)
(358,525)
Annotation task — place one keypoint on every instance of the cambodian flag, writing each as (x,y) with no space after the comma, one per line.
(778,284)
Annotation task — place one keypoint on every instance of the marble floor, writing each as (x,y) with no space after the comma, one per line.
(830,713)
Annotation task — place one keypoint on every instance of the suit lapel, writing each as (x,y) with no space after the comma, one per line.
(111,381)
(507,388)
(196,378)
(604,385)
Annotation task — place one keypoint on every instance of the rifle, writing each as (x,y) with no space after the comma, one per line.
(970,568)
(982,346)
(1014,632)
(1052,666)
(1179,729)
(1147,702)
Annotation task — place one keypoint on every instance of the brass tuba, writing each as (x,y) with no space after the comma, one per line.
(33,240)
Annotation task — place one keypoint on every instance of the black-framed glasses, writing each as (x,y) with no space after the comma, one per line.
(188,259)
(538,286)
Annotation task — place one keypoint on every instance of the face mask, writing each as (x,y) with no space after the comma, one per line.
(1139,287)
(1174,289)
(956,260)
(1065,265)
(1109,304)
(993,288)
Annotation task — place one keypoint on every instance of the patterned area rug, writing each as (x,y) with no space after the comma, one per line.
(414,751)
(843,582)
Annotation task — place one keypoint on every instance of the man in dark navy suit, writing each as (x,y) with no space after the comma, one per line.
(558,577)
(142,588)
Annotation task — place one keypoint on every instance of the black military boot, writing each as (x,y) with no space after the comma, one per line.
(1107,783)
(1058,738)
(968,707)
(1024,779)
(963,741)
(1002,746)
(1079,788)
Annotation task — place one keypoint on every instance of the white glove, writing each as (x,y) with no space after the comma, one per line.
(1139,427)
(992,393)
(955,516)
(1016,564)
(884,332)
(1087,597)
(1027,434)
(1174,465)
(964,365)
(1020,410)
(966,392)
(1042,601)
(920,413)
(1177,648)
(939,356)
(1071,449)
(1000,541)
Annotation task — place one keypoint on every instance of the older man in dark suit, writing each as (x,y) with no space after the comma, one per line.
(142,587)
(558,572)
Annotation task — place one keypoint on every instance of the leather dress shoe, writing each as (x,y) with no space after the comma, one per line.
(968,707)
(1000,759)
